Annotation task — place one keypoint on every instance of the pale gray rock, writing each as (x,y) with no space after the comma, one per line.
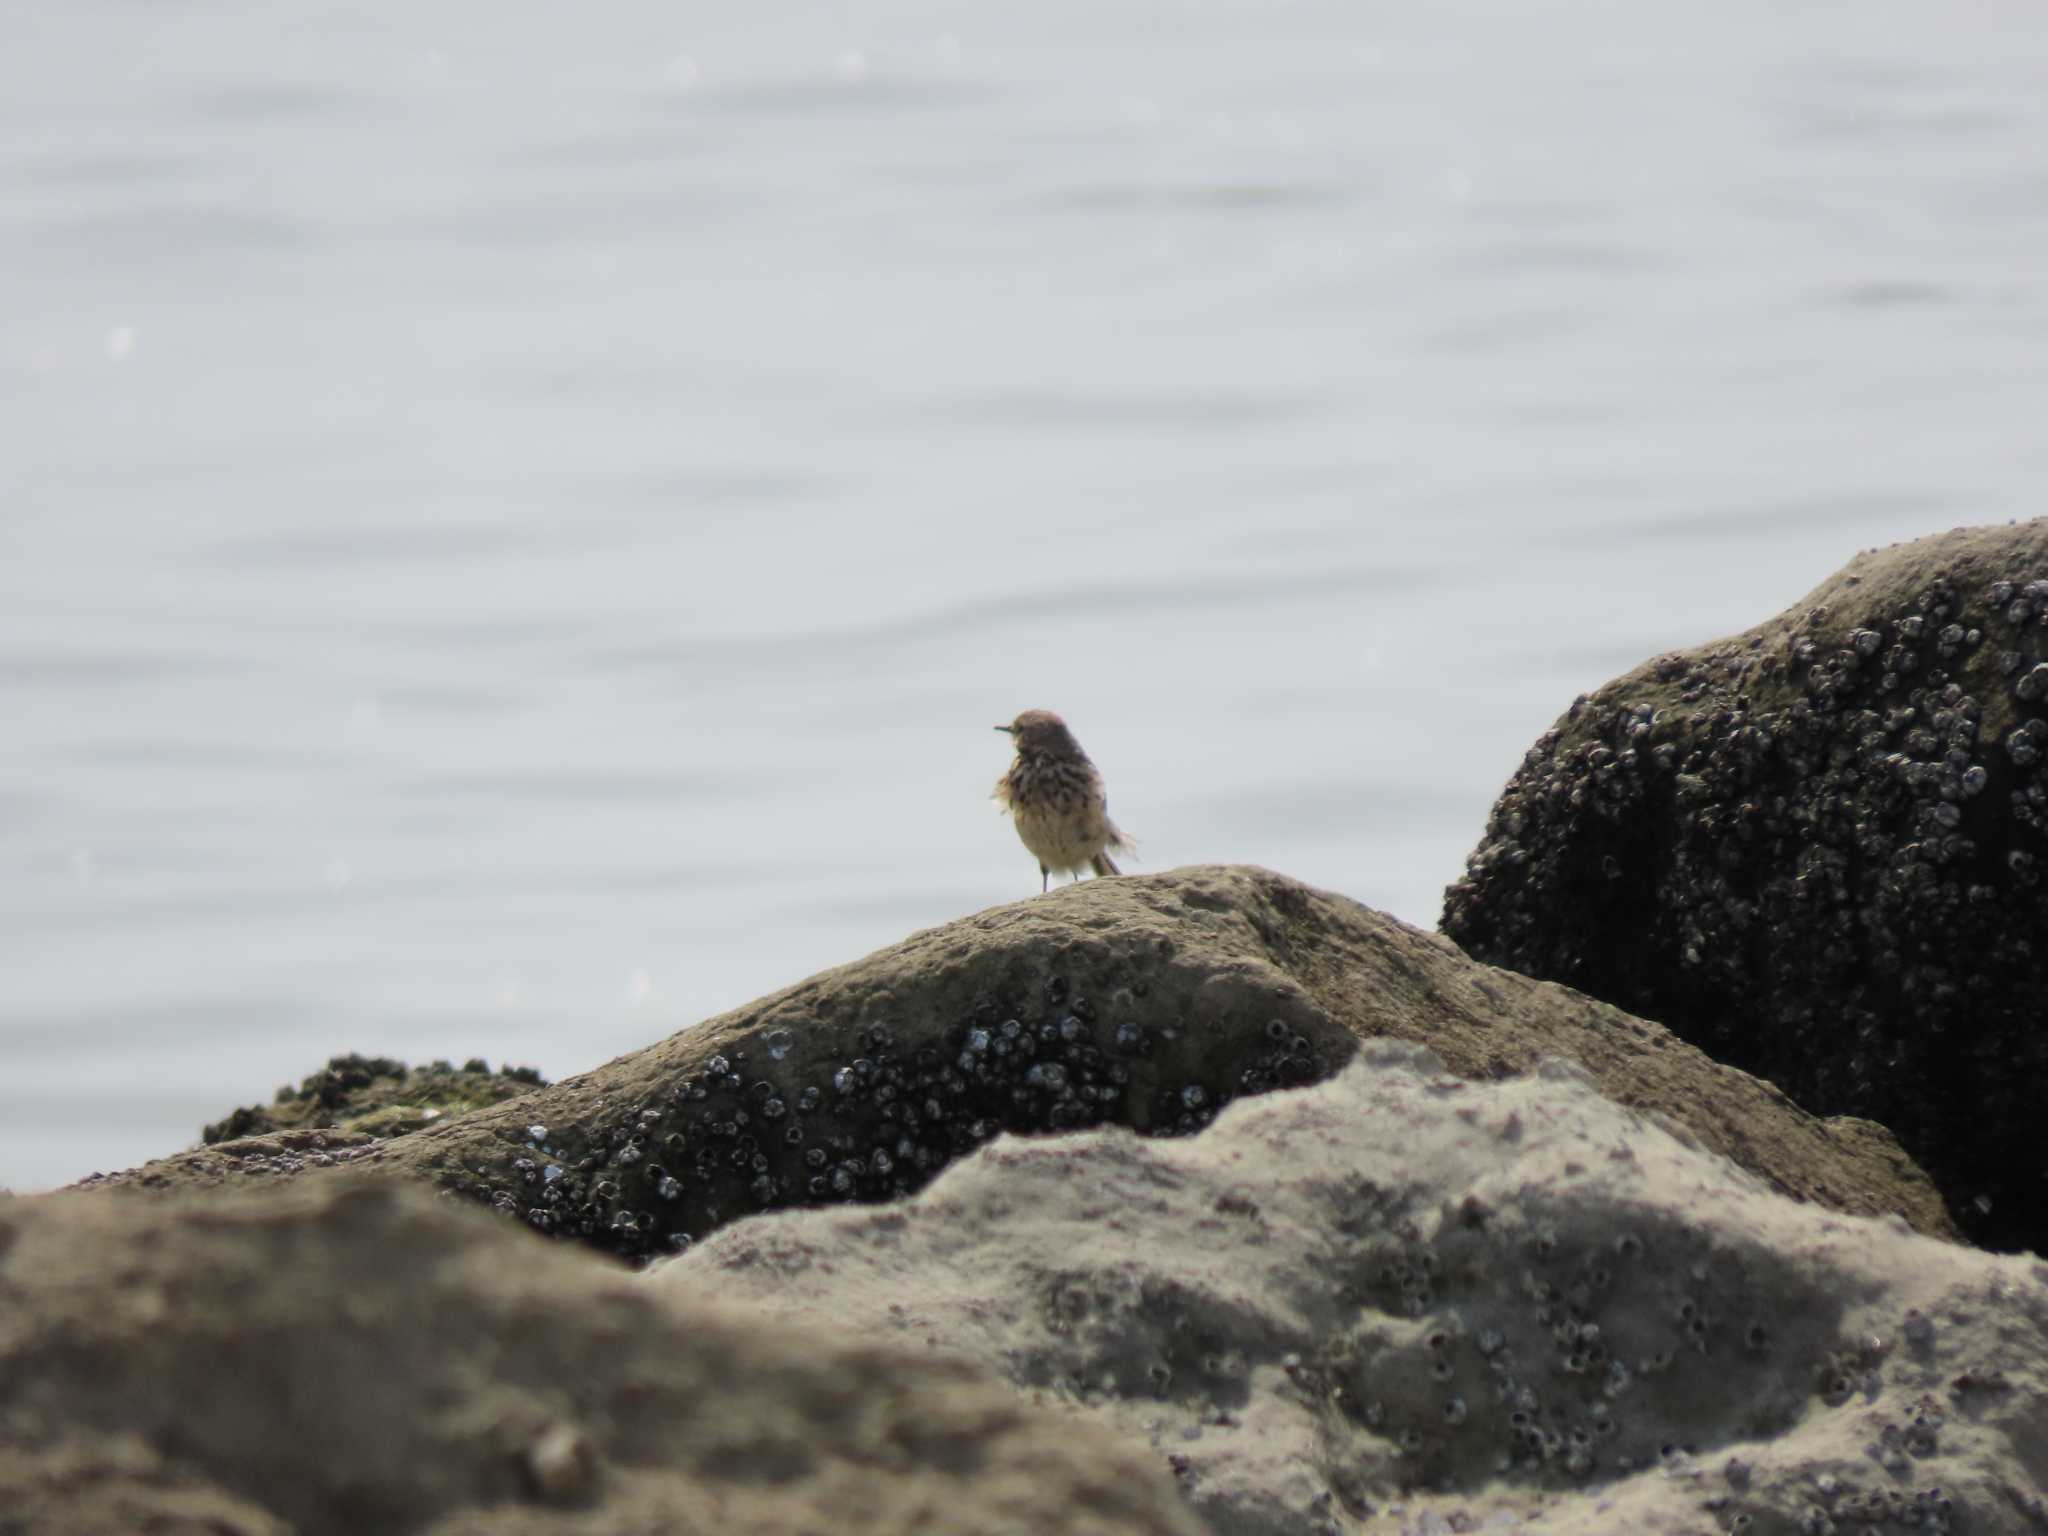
(1402,1300)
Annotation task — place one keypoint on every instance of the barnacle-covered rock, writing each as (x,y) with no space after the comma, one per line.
(1149,1002)
(377,1096)
(341,1359)
(1402,1301)
(1811,849)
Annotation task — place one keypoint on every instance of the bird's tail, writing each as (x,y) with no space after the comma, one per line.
(1105,865)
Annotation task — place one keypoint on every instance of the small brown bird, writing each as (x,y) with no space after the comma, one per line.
(1055,796)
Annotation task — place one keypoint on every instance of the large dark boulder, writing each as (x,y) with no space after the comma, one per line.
(1816,849)
(1145,1002)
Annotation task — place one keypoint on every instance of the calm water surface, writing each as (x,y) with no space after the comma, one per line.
(514,527)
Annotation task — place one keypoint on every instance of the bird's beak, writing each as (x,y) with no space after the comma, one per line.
(1002,727)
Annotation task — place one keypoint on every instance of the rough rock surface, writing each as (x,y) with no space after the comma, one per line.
(1404,1300)
(1148,1002)
(362,1358)
(1817,850)
(377,1096)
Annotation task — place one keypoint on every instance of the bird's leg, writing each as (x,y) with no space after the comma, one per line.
(1044,880)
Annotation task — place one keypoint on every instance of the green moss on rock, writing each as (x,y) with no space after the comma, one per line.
(377,1096)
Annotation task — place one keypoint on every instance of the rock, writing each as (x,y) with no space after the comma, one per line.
(1817,851)
(376,1096)
(359,1357)
(1148,1002)
(1404,1301)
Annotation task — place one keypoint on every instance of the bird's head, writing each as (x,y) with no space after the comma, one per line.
(1040,730)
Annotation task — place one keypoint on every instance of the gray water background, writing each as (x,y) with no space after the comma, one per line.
(515,523)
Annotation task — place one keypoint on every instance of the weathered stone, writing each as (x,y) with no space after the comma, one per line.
(1400,1301)
(361,1357)
(1815,850)
(1148,1002)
